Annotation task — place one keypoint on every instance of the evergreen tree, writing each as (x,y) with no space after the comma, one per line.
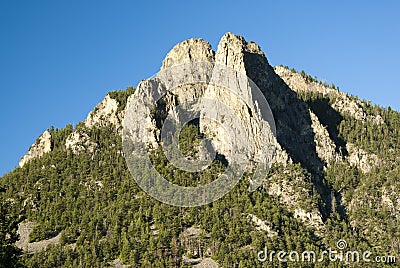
(9,253)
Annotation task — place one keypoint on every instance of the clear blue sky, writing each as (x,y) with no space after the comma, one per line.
(59,58)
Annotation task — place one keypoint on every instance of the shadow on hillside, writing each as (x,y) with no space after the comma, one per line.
(293,123)
(331,119)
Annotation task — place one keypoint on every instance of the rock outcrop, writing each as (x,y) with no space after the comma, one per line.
(311,218)
(326,148)
(228,68)
(263,225)
(24,229)
(360,158)
(40,147)
(104,114)
(79,142)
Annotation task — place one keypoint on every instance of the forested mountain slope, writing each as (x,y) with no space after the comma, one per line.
(335,176)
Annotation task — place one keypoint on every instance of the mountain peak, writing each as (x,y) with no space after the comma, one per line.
(191,50)
(230,52)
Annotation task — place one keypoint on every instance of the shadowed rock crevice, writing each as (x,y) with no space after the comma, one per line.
(331,119)
(293,122)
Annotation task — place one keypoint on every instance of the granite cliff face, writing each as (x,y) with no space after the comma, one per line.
(240,98)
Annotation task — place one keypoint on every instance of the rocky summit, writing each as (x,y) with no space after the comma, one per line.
(334,176)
